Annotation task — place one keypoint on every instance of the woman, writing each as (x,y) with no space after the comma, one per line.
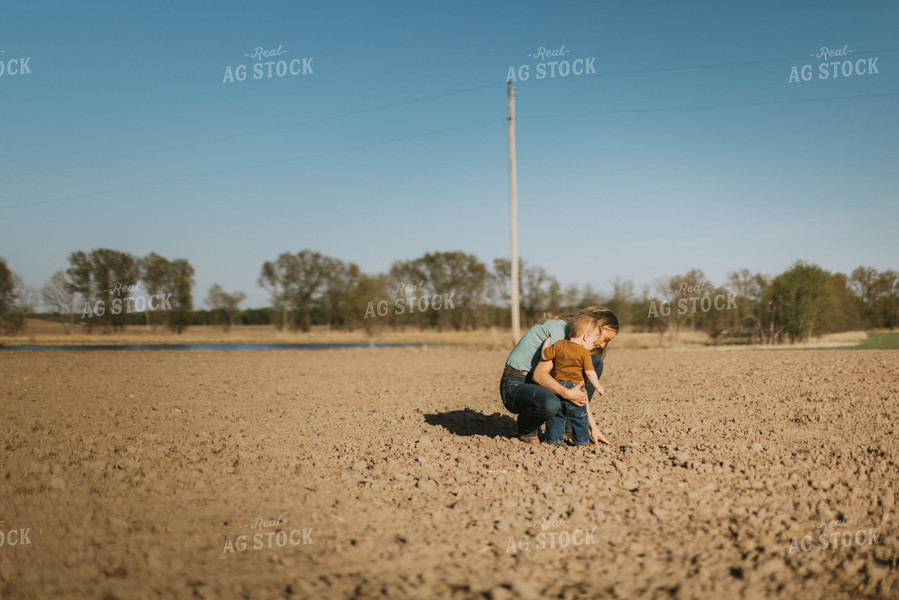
(526,387)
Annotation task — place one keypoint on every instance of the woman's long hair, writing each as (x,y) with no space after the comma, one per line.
(604,317)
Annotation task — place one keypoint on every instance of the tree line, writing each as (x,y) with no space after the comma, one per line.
(107,289)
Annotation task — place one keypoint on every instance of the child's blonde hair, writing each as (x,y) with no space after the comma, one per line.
(582,325)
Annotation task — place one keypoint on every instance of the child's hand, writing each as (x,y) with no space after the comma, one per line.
(600,390)
(546,344)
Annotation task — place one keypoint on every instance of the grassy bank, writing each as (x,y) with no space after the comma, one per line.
(50,333)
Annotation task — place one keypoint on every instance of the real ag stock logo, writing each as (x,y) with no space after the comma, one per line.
(11,67)
(268,64)
(835,539)
(552,64)
(268,539)
(407,298)
(842,66)
(128,304)
(700,298)
(14,537)
(552,539)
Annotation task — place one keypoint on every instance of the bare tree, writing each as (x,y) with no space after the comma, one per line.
(295,282)
(336,303)
(278,278)
(181,282)
(461,281)
(14,301)
(623,298)
(223,303)
(59,294)
(99,278)
(155,273)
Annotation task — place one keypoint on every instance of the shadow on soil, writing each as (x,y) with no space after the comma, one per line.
(471,422)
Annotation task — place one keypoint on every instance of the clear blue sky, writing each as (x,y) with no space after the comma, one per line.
(688,147)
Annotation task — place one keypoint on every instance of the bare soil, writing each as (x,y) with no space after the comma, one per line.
(395,473)
(53,333)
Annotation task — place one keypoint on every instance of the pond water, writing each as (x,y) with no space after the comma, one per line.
(224,347)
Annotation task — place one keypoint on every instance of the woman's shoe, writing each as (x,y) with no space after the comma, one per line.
(532,438)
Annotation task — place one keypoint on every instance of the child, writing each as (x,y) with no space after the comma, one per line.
(571,363)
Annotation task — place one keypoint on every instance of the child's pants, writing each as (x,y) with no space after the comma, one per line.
(580,423)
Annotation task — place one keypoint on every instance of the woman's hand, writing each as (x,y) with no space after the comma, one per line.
(596,436)
(577,395)
(542,377)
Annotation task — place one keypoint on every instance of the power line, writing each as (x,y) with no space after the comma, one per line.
(761,61)
(378,108)
(705,106)
(257,166)
(415,136)
(245,134)
(363,111)
(447,130)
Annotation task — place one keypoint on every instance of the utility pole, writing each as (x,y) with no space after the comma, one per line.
(513,219)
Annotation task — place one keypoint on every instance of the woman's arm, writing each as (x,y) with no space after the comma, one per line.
(578,396)
(596,436)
